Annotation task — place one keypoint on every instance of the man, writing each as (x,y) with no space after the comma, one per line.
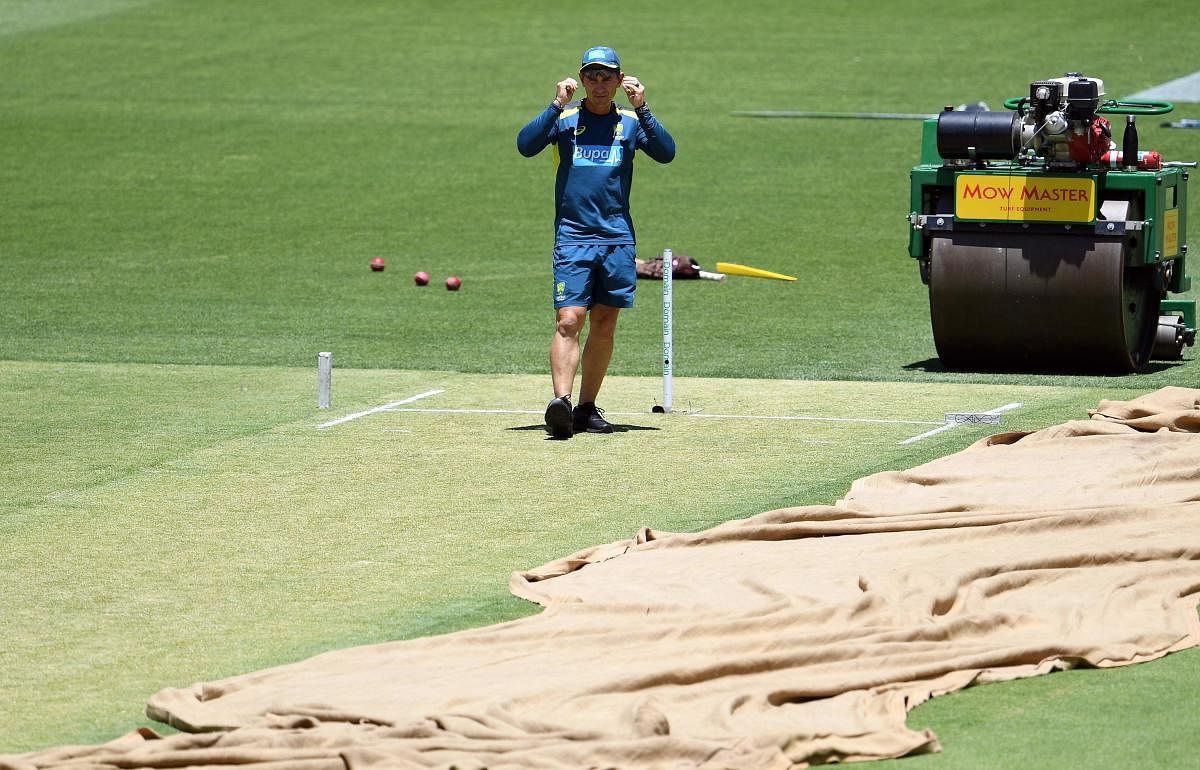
(594,142)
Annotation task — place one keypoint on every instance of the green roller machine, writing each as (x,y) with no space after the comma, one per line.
(1046,245)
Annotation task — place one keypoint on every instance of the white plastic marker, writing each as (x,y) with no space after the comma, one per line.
(324,379)
(668,331)
(954,419)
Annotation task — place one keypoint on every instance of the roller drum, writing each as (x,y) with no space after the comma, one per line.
(1005,301)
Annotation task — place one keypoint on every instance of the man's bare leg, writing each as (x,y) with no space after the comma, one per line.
(597,351)
(564,349)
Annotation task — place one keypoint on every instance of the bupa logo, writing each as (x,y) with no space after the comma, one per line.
(597,155)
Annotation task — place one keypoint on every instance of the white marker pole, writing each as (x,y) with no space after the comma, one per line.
(668,329)
(324,379)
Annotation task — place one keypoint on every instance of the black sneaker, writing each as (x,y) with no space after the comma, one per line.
(558,418)
(590,418)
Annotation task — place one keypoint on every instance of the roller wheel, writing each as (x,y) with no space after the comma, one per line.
(1041,302)
(1170,339)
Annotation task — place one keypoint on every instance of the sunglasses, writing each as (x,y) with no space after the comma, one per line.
(604,76)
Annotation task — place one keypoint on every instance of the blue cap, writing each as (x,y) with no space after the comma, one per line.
(602,55)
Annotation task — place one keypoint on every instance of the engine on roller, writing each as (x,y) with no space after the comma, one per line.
(1047,246)
(1057,123)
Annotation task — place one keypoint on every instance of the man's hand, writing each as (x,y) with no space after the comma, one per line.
(634,90)
(566,89)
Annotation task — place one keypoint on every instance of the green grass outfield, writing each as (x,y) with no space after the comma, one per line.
(191,192)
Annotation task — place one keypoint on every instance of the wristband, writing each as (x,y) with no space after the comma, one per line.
(643,110)
(555,106)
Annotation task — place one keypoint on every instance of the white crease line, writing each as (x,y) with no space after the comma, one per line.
(814,419)
(506,411)
(471,411)
(683,414)
(383,408)
(949,425)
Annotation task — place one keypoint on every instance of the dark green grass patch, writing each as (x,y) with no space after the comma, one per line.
(1138,716)
(206,182)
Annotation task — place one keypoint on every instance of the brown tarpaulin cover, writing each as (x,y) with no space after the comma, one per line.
(794,637)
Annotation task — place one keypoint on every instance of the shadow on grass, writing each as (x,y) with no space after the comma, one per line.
(935,365)
(928,365)
(617,428)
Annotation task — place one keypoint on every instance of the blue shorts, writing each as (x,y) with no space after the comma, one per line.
(594,274)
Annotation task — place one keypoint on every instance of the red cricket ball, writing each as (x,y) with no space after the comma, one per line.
(421,278)
(452,283)
(377,264)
